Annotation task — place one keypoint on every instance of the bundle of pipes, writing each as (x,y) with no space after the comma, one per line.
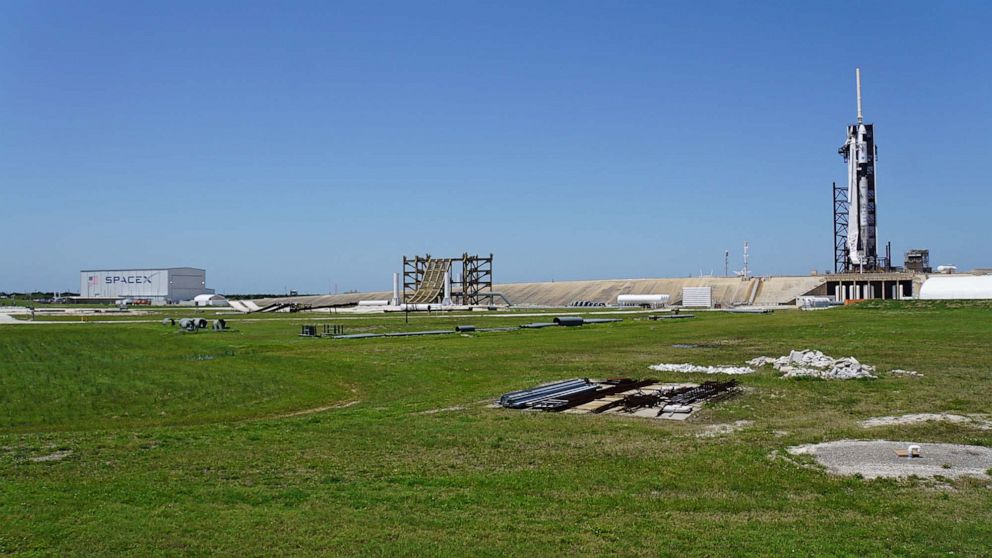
(568,394)
(520,399)
(560,403)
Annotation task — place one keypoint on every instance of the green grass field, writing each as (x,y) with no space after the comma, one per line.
(257,442)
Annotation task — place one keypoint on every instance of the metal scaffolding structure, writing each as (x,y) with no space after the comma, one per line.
(841,258)
(469,279)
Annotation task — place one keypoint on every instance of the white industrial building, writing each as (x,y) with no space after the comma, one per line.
(156,286)
(957,287)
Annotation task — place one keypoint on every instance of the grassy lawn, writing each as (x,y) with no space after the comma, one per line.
(258,442)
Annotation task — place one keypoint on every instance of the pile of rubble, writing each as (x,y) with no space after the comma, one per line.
(814,364)
(692,368)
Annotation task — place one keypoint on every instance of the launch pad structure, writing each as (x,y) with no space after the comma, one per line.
(467,280)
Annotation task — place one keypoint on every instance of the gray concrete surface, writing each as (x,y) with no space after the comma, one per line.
(877,458)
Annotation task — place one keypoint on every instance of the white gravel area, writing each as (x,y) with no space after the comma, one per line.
(878,459)
(978,421)
(900,372)
(692,368)
(714,430)
(57,456)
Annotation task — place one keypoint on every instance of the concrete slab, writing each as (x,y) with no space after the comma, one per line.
(877,459)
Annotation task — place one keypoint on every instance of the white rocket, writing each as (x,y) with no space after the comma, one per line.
(859,152)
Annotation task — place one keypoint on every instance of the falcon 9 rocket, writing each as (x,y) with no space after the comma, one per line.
(859,152)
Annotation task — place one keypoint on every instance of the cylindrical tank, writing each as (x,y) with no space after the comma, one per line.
(957,287)
(569,321)
(373,303)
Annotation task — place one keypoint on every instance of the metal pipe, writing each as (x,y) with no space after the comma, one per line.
(538,325)
(517,399)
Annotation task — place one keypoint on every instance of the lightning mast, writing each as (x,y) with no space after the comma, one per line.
(859,153)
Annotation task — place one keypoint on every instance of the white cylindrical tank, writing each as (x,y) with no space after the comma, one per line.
(373,303)
(957,287)
(642,299)
(947,268)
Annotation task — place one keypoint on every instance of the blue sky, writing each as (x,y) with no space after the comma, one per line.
(304,145)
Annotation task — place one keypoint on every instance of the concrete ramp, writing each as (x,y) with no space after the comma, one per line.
(785,290)
(239,306)
(432,284)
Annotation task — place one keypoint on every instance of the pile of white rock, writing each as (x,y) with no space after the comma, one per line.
(692,368)
(816,365)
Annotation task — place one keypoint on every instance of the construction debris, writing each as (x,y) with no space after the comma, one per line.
(692,368)
(643,398)
(815,364)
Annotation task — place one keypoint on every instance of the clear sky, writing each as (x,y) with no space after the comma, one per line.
(304,145)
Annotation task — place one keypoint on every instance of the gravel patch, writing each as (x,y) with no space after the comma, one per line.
(442,410)
(977,421)
(57,456)
(715,430)
(692,368)
(900,372)
(877,459)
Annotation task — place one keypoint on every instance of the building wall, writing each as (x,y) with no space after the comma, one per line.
(187,282)
(124,283)
(158,285)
